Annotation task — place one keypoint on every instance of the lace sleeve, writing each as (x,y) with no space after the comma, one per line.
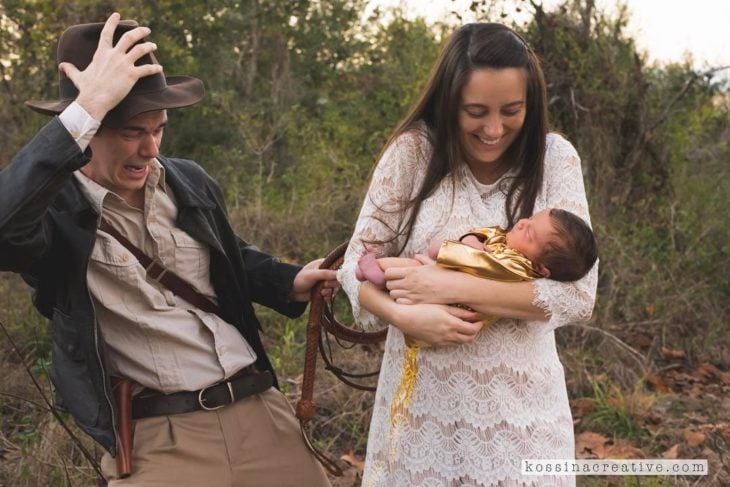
(396,178)
(565,302)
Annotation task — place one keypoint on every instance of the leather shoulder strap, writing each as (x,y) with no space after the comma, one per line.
(167,278)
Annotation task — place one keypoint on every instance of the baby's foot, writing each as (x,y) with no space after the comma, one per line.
(369,270)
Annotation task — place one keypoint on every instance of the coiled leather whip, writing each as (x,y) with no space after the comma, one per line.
(323,323)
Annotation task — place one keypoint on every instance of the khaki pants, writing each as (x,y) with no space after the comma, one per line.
(255,442)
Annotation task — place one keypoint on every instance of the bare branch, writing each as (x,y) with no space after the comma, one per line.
(633,353)
(680,94)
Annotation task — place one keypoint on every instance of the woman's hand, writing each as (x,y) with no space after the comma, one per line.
(422,284)
(436,324)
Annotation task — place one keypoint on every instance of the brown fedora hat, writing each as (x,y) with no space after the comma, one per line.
(77,46)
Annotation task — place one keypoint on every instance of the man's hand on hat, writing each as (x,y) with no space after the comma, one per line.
(111,74)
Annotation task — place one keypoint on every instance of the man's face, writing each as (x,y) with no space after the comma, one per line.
(121,158)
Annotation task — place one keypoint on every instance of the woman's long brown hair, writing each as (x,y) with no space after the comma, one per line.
(477,46)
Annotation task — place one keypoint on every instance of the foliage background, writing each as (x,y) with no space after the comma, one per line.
(301,95)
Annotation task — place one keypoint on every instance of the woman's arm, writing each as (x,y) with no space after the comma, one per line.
(379,217)
(565,302)
(434,284)
(396,176)
(430,323)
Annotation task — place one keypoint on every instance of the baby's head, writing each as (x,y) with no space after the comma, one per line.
(560,244)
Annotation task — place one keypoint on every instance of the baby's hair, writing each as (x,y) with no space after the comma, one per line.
(572,251)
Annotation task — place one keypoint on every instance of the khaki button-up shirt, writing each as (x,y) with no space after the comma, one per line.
(153,336)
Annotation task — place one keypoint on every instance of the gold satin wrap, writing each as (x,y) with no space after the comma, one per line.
(501,264)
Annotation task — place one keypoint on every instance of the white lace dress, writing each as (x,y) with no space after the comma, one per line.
(479,408)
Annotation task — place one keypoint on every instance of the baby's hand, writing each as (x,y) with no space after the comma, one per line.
(433,248)
(474,242)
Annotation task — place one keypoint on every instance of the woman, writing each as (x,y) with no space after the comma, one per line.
(474,151)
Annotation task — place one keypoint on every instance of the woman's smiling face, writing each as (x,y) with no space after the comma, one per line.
(491,115)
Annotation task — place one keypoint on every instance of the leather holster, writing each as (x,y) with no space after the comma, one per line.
(122,389)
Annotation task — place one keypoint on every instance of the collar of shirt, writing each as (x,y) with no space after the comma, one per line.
(96,194)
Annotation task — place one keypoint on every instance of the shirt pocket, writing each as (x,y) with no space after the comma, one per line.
(191,259)
(114,272)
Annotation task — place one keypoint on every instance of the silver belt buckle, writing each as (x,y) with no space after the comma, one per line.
(201,399)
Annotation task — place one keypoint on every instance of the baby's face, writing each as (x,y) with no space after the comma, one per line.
(530,235)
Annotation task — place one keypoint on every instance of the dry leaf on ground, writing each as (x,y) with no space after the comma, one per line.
(657,381)
(641,341)
(672,453)
(590,445)
(670,354)
(694,438)
(623,450)
(707,372)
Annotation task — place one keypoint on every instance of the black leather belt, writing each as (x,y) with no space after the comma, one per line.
(242,385)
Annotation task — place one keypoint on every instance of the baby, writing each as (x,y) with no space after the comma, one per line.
(553,243)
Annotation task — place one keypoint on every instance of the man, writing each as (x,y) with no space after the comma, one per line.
(82,207)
